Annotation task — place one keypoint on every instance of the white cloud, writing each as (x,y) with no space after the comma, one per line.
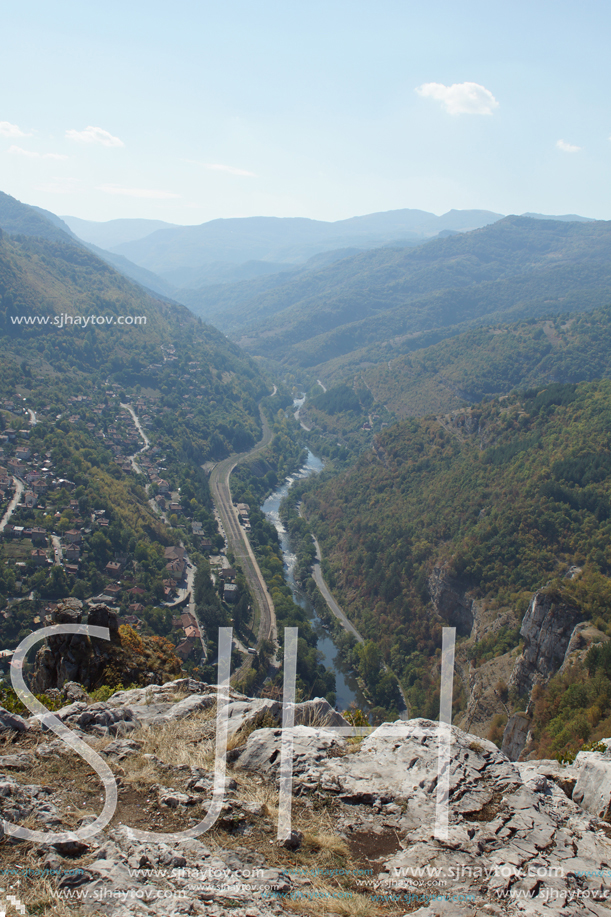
(567,147)
(460,98)
(94,135)
(59,186)
(11,130)
(218,167)
(17,150)
(137,192)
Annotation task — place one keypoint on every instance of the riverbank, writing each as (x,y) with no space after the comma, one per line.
(347,690)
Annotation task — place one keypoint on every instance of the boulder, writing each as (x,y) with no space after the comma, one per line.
(593,787)
(100,718)
(252,713)
(310,746)
(12,722)
(401,760)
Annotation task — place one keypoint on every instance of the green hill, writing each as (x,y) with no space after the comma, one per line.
(494,361)
(501,498)
(62,426)
(381,303)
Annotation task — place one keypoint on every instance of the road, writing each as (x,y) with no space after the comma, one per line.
(236,536)
(32,416)
(337,611)
(147,442)
(191,568)
(19,488)
(297,417)
(191,571)
(340,615)
(57,550)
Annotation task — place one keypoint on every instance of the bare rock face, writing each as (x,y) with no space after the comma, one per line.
(73,657)
(593,788)
(102,616)
(310,746)
(511,841)
(450,601)
(515,735)
(546,629)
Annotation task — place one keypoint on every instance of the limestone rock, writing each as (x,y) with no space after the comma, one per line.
(546,630)
(310,746)
(515,735)
(450,601)
(12,721)
(593,787)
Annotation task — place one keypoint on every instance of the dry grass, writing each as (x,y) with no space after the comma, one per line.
(332,901)
(326,844)
(43,898)
(190,741)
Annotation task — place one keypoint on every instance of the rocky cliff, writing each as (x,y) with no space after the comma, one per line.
(126,658)
(546,630)
(451,601)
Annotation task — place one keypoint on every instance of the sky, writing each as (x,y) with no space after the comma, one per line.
(191,111)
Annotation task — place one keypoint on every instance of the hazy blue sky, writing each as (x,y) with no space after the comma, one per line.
(188,111)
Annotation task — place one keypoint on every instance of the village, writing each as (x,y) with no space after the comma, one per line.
(48,528)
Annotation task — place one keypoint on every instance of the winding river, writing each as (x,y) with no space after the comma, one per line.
(347,690)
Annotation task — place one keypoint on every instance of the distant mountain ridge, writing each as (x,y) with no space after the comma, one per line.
(372,306)
(113,232)
(223,251)
(288,239)
(17,218)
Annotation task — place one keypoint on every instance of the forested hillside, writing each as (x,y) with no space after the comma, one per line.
(492,361)
(382,303)
(86,526)
(501,497)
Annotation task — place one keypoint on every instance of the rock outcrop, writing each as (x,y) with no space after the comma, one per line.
(450,601)
(364,818)
(515,735)
(546,630)
(91,662)
(73,657)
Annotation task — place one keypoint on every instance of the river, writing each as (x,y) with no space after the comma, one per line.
(347,690)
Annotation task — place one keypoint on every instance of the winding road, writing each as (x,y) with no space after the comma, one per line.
(191,568)
(147,442)
(236,536)
(324,589)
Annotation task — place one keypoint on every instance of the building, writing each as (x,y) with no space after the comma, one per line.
(230,592)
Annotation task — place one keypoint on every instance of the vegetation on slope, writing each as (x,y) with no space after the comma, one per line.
(487,362)
(504,496)
(516,268)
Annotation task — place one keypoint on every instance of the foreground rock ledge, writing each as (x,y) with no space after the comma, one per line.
(516,842)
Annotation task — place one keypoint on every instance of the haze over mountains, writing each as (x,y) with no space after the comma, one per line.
(378,304)
(183,254)
(180,260)
(349,308)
